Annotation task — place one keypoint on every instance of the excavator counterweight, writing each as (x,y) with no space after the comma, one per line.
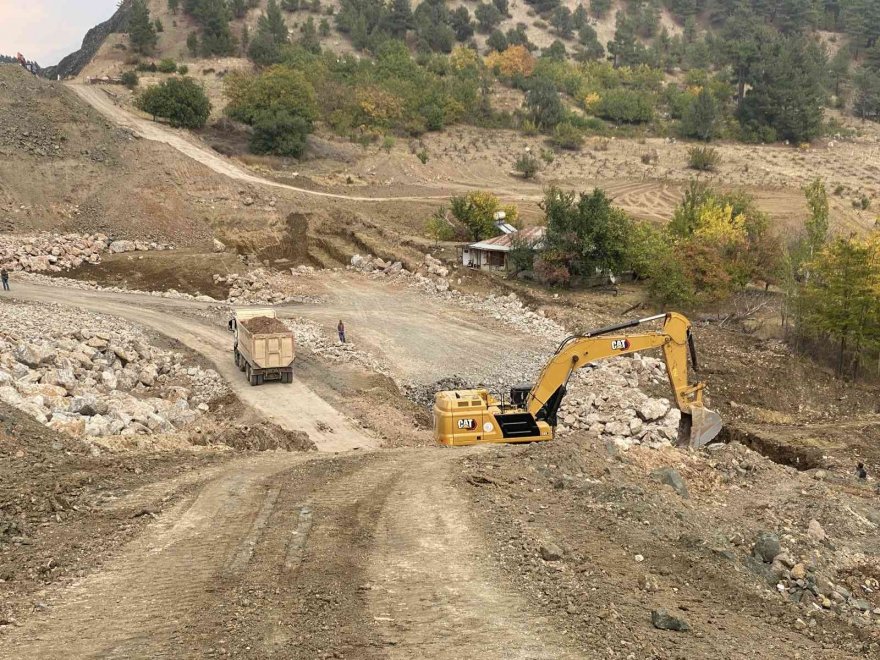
(467,417)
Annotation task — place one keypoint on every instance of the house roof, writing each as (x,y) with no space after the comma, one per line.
(504,242)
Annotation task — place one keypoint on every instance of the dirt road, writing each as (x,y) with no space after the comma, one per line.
(293,407)
(367,555)
(97,98)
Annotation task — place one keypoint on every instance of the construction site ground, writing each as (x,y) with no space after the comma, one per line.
(319,519)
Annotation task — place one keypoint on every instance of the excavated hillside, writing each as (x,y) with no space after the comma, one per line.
(66,168)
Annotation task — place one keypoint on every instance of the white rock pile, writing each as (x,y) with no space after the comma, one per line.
(90,375)
(257,287)
(607,400)
(310,336)
(57,252)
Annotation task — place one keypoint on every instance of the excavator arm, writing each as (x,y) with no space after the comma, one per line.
(544,399)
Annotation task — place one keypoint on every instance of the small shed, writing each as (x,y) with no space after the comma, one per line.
(491,254)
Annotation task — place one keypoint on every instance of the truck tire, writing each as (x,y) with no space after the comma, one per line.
(254,380)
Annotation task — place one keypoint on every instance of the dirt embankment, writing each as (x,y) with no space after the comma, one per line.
(596,538)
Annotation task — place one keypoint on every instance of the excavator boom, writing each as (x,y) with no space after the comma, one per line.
(532,412)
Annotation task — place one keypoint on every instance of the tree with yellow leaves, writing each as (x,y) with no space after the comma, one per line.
(515,61)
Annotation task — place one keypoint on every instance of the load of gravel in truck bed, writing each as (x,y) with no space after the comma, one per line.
(264,325)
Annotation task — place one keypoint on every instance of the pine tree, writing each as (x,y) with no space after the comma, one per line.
(273,22)
(700,119)
(238,7)
(399,18)
(141,30)
(173,5)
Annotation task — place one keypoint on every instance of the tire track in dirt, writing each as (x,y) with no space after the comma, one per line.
(436,592)
(141,602)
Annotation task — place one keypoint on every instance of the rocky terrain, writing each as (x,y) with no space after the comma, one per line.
(705,544)
(97,377)
(57,252)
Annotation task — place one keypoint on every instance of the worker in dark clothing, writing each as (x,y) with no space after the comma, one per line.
(4,275)
(861,472)
(341,330)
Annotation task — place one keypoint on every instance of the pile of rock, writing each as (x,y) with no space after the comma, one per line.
(607,400)
(96,383)
(803,582)
(377,266)
(257,287)
(310,336)
(58,252)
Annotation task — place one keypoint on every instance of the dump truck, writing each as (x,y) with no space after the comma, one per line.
(264,346)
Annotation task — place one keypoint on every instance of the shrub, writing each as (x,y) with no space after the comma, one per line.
(182,69)
(388,143)
(626,106)
(704,159)
(167,65)
(130,79)
(422,156)
(279,132)
(181,101)
(548,156)
(438,226)
(527,165)
(567,136)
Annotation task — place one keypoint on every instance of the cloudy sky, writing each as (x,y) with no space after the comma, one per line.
(47,30)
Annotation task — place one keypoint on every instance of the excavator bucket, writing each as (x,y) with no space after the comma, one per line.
(700,427)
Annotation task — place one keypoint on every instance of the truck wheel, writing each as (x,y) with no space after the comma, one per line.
(254,380)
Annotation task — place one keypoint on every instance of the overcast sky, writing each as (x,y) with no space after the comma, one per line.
(47,30)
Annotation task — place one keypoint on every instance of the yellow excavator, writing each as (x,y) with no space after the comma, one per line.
(469,417)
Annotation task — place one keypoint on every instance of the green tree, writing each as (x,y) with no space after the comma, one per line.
(192,43)
(173,6)
(563,22)
(543,104)
(181,101)
(626,106)
(840,300)
(580,17)
(866,98)
(278,89)
(461,22)
(625,49)
(701,119)
(280,133)
(158,25)
(309,39)
(476,211)
(787,92)
(431,19)
(600,7)
(273,22)
(141,30)
(488,17)
(817,223)
(588,38)
(400,18)
(238,8)
(497,41)
(438,227)
(130,79)
(585,234)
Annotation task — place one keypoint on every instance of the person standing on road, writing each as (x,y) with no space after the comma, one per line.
(341,330)
(861,472)
(4,275)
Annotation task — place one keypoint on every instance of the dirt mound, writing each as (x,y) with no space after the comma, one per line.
(262,436)
(265,325)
